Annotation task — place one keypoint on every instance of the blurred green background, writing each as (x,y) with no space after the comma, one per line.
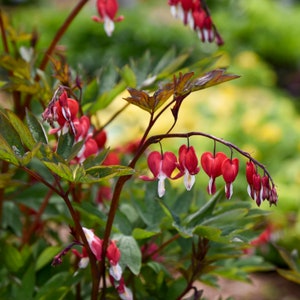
(259,112)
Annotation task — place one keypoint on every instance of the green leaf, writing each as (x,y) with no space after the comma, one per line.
(140,234)
(291,275)
(55,288)
(28,283)
(11,136)
(6,152)
(91,212)
(35,127)
(90,93)
(99,173)
(22,85)
(130,253)
(19,67)
(204,212)
(109,88)
(210,233)
(226,218)
(148,208)
(46,257)
(289,259)
(12,258)
(106,98)
(128,76)
(142,69)
(12,218)
(65,143)
(172,66)
(22,130)
(6,178)
(60,169)
(91,161)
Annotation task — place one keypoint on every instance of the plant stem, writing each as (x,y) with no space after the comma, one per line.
(92,258)
(29,232)
(4,169)
(78,228)
(61,32)
(115,200)
(55,40)
(3,34)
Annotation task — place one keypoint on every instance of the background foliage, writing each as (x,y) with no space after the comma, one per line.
(259,112)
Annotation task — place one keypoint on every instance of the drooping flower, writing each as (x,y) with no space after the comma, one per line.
(112,158)
(84,258)
(162,167)
(150,250)
(104,194)
(273,198)
(89,148)
(259,188)
(212,166)
(95,242)
(204,26)
(113,255)
(100,138)
(195,13)
(82,126)
(64,112)
(107,10)
(124,292)
(230,169)
(188,165)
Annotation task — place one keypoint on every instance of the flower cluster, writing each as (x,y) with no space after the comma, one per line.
(163,165)
(64,112)
(195,14)
(113,256)
(259,188)
(107,10)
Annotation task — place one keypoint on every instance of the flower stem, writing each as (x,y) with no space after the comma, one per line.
(157,138)
(61,32)
(54,42)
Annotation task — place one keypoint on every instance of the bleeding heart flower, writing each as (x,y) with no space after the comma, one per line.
(188,165)
(212,166)
(113,254)
(230,169)
(82,126)
(162,167)
(89,148)
(107,10)
(95,243)
(65,111)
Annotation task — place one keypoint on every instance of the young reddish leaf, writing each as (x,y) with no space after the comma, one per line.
(210,79)
(61,71)
(140,99)
(147,102)
(181,84)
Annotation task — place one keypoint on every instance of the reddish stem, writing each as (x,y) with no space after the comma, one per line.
(55,40)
